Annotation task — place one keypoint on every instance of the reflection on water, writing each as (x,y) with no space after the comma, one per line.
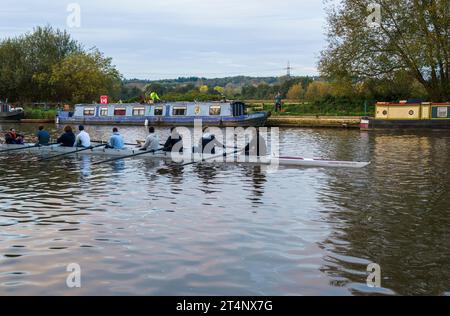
(141,227)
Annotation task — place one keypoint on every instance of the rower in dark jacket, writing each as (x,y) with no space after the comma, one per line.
(68,138)
(208,143)
(173,139)
(43,137)
(257,146)
(12,138)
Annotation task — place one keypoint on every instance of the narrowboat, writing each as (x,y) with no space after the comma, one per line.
(409,115)
(174,114)
(9,113)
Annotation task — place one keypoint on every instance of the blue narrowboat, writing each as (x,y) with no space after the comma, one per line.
(173,114)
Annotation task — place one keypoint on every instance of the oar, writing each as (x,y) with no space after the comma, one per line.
(203,160)
(17,149)
(127,144)
(71,152)
(129,156)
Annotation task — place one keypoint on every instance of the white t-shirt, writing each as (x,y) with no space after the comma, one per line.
(83,140)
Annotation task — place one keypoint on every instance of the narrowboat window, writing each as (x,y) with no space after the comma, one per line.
(138,111)
(158,111)
(89,112)
(120,111)
(214,110)
(179,110)
(103,111)
(442,112)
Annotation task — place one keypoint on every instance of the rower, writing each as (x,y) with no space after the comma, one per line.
(83,139)
(208,142)
(68,138)
(173,139)
(116,140)
(152,140)
(43,137)
(12,138)
(257,146)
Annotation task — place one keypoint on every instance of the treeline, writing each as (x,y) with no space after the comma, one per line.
(47,65)
(338,94)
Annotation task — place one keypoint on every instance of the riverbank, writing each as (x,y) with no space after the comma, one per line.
(314,121)
(37,121)
(277,121)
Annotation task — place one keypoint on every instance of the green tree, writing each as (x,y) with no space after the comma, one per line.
(412,36)
(83,77)
(44,48)
(15,80)
(219,90)
(296,92)
(317,90)
(203,89)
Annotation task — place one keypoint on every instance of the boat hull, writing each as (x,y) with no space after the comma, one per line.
(12,116)
(406,124)
(247,121)
(231,158)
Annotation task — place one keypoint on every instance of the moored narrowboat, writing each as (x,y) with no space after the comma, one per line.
(9,113)
(409,115)
(170,114)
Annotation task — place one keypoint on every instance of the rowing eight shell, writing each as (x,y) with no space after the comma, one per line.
(282,161)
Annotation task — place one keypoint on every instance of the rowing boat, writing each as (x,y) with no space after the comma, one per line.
(235,158)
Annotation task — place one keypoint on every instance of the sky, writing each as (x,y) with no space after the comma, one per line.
(161,39)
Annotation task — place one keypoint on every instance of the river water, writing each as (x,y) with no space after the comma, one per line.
(231,229)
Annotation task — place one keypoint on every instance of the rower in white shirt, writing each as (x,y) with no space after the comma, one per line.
(83,139)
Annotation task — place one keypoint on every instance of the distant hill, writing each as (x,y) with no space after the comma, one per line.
(238,81)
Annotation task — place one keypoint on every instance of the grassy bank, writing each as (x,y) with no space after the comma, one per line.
(37,113)
(327,107)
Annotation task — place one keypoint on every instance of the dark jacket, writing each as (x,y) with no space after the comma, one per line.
(210,141)
(43,137)
(256,146)
(13,138)
(170,142)
(67,140)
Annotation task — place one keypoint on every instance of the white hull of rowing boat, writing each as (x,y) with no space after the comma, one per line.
(282,161)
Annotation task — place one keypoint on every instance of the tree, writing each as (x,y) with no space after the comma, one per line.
(83,77)
(412,36)
(295,92)
(45,47)
(317,90)
(154,87)
(203,89)
(220,90)
(14,78)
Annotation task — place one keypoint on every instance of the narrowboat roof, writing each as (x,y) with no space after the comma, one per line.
(161,104)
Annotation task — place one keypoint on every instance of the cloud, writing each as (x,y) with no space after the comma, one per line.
(167,38)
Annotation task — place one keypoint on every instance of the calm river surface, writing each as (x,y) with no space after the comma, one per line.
(230,229)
